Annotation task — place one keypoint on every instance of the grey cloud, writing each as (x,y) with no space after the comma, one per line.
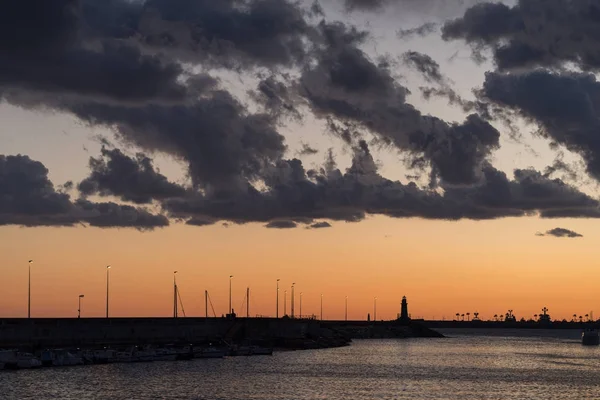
(112,215)
(277,98)
(43,52)
(307,150)
(533,32)
(133,180)
(347,85)
(320,225)
(28,198)
(292,194)
(422,30)
(560,233)
(564,105)
(281,224)
(365,5)
(426,65)
(222,143)
(230,33)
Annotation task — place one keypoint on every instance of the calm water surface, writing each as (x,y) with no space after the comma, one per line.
(462,367)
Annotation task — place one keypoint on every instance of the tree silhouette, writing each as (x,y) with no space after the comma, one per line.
(580,318)
(587,317)
(468,314)
(495,317)
(574,317)
(458,316)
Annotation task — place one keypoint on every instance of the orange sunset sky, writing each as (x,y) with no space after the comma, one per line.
(120,147)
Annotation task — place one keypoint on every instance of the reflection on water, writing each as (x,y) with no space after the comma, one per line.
(455,368)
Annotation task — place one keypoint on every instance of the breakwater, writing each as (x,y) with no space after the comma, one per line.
(38,333)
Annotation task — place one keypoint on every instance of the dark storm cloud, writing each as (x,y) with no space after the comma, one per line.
(293,194)
(229,33)
(223,144)
(347,85)
(135,180)
(365,5)
(281,224)
(28,198)
(560,233)
(44,53)
(533,32)
(564,105)
(426,65)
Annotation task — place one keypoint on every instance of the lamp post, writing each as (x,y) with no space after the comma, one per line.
(277,301)
(29,291)
(79,306)
(321,306)
(346,310)
(293,299)
(230,309)
(107,283)
(375,309)
(300,304)
(284,303)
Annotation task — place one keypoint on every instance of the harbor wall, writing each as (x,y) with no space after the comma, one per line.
(68,332)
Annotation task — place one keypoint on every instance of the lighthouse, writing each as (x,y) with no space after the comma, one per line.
(404,310)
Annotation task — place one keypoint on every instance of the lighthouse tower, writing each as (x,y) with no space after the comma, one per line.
(404,310)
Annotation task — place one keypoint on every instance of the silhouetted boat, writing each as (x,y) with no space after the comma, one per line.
(590,337)
(27,360)
(8,359)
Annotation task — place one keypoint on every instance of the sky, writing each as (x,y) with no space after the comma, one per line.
(443,150)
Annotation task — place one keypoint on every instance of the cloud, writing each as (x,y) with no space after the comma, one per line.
(348,86)
(133,180)
(426,65)
(422,30)
(223,144)
(236,34)
(564,105)
(560,233)
(281,224)
(28,198)
(320,225)
(293,194)
(112,215)
(533,33)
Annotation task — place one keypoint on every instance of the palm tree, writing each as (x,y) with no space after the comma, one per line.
(495,317)
(501,317)
(457,316)
(463,316)
(476,314)
(469,314)
(587,317)
(574,317)
(535,317)
(580,318)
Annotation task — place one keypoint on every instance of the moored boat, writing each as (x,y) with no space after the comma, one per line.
(590,337)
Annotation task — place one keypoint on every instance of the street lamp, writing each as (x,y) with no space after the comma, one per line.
(321,306)
(79,307)
(107,283)
(375,310)
(300,304)
(29,291)
(346,310)
(293,299)
(284,303)
(230,309)
(277,301)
